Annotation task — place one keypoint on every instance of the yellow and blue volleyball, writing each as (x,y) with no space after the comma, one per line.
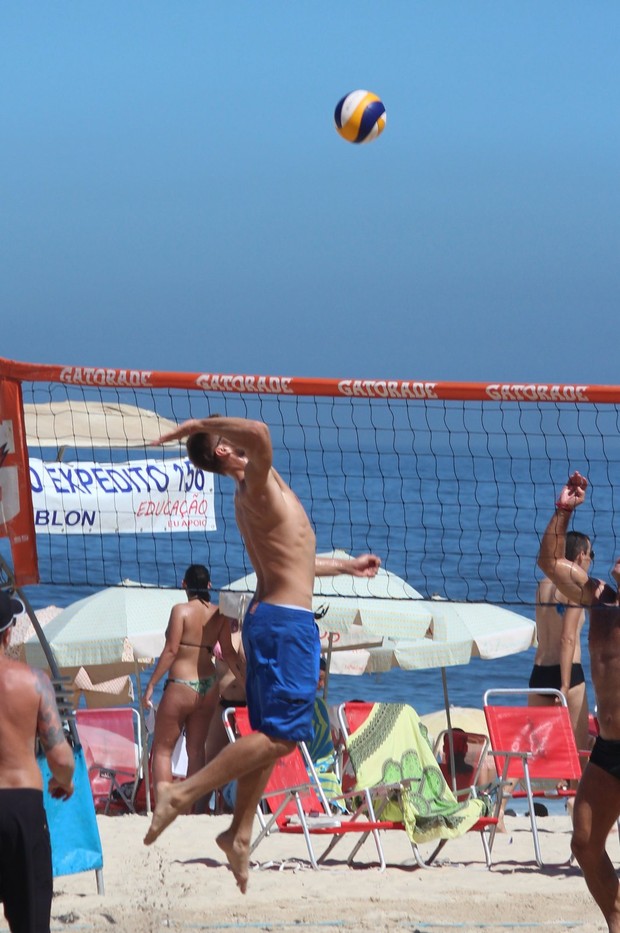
(360,117)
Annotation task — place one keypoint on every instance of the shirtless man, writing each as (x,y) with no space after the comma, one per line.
(559,623)
(597,804)
(280,636)
(27,710)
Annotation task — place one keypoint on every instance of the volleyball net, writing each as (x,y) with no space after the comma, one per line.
(451,484)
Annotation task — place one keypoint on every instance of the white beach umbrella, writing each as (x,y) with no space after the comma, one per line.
(457,632)
(397,626)
(345,604)
(350,612)
(115,626)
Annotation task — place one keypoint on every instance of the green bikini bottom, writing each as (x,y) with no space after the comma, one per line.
(201,687)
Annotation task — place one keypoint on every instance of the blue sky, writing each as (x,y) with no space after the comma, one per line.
(175,196)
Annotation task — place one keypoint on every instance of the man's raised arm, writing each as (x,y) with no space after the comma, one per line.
(569,578)
(239,431)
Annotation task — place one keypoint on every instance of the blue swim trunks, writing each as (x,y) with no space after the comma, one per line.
(282,650)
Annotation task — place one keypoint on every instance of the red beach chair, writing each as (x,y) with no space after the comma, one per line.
(294,806)
(110,738)
(533,744)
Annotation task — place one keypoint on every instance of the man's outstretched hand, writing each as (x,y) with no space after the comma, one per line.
(573,494)
(177,434)
(366,565)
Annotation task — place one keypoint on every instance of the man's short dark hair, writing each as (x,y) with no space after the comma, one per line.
(201,452)
(576,544)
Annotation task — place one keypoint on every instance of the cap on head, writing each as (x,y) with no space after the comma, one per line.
(10,607)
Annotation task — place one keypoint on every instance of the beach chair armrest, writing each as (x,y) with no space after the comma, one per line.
(500,754)
(109,771)
(292,790)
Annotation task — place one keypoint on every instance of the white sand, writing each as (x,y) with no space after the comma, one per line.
(182,883)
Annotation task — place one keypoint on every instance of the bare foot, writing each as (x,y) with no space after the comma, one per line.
(166,811)
(238,857)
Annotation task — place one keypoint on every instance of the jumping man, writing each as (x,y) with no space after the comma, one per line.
(280,636)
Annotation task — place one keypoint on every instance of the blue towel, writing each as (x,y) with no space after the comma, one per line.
(74,834)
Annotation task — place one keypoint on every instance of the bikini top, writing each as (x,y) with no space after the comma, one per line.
(186,644)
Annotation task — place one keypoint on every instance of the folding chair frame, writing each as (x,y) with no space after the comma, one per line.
(312,815)
(526,759)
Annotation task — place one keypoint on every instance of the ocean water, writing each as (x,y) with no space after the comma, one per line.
(453,496)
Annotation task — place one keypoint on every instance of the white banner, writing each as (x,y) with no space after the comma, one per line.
(121,498)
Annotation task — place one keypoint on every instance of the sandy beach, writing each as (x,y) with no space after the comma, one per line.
(182,883)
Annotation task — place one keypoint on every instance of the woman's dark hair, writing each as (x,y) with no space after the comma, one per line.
(197,580)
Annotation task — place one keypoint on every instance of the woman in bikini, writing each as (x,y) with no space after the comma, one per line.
(188,701)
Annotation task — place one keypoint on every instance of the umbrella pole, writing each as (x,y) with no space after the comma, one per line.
(144,764)
(446,700)
(63,703)
(330,641)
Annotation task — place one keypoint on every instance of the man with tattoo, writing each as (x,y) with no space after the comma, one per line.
(27,710)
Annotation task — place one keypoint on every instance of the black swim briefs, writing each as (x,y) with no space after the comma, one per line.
(549,676)
(606,754)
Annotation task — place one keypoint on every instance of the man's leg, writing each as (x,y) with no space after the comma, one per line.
(597,807)
(251,753)
(578,710)
(235,841)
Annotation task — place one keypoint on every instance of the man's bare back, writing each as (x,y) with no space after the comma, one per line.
(19,701)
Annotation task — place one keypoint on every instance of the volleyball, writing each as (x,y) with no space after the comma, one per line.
(360,117)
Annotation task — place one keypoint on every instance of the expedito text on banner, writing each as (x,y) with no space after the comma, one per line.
(16,521)
(134,497)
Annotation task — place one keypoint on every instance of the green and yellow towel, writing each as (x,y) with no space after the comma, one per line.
(391,747)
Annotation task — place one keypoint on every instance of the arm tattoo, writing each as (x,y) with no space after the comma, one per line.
(49,726)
